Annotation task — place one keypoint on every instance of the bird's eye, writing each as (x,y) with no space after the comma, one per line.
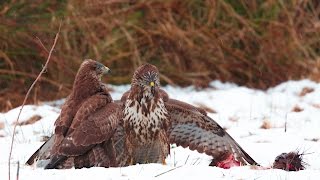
(97,67)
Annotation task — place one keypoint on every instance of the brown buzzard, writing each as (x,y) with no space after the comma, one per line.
(88,94)
(152,120)
(140,128)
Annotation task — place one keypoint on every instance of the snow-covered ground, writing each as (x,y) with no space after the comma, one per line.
(242,111)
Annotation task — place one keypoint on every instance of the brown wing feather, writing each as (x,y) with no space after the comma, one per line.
(88,94)
(90,127)
(192,128)
(95,128)
(68,111)
(89,105)
(43,153)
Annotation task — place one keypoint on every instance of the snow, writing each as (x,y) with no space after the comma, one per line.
(241,110)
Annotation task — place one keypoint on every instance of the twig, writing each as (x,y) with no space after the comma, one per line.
(195,161)
(285,123)
(174,158)
(18,170)
(7,59)
(41,44)
(187,160)
(25,98)
(167,79)
(168,171)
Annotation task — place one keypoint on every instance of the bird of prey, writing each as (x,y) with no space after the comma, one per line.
(152,121)
(88,94)
(140,128)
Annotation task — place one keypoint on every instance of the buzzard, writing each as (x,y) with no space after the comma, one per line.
(88,94)
(152,121)
(140,127)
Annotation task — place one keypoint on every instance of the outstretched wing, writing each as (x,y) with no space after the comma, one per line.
(191,127)
(86,131)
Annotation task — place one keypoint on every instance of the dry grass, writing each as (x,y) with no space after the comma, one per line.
(1,125)
(305,91)
(266,124)
(31,120)
(254,43)
(297,108)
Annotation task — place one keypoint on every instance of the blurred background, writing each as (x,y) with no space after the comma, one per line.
(258,43)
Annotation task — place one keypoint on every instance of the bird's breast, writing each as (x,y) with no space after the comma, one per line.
(143,121)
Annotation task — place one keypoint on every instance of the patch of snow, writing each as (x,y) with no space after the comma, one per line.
(241,110)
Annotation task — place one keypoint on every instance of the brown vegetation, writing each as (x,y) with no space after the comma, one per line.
(1,125)
(305,91)
(297,108)
(254,43)
(266,124)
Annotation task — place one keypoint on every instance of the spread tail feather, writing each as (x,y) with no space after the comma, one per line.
(43,152)
(55,161)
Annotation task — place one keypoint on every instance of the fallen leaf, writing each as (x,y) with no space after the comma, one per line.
(296,108)
(1,125)
(306,90)
(266,124)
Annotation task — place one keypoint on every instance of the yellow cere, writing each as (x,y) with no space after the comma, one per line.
(151,83)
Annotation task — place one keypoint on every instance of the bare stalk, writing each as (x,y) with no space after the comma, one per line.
(18,170)
(25,98)
(168,171)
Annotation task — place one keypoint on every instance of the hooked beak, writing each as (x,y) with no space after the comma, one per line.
(106,70)
(152,87)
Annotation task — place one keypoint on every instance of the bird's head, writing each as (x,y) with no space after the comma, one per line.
(146,77)
(88,78)
(95,67)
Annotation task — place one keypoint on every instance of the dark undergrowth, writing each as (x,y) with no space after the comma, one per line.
(253,43)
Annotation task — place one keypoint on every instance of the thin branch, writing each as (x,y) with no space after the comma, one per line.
(7,59)
(167,79)
(187,160)
(168,171)
(285,123)
(25,99)
(18,170)
(195,161)
(41,44)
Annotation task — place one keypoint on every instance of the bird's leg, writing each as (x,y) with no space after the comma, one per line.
(164,161)
(131,161)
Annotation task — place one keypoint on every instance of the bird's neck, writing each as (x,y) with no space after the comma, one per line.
(86,85)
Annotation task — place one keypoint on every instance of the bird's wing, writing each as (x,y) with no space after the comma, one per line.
(190,127)
(42,154)
(95,128)
(65,118)
(88,129)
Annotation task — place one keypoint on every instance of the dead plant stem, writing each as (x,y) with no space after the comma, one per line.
(25,99)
